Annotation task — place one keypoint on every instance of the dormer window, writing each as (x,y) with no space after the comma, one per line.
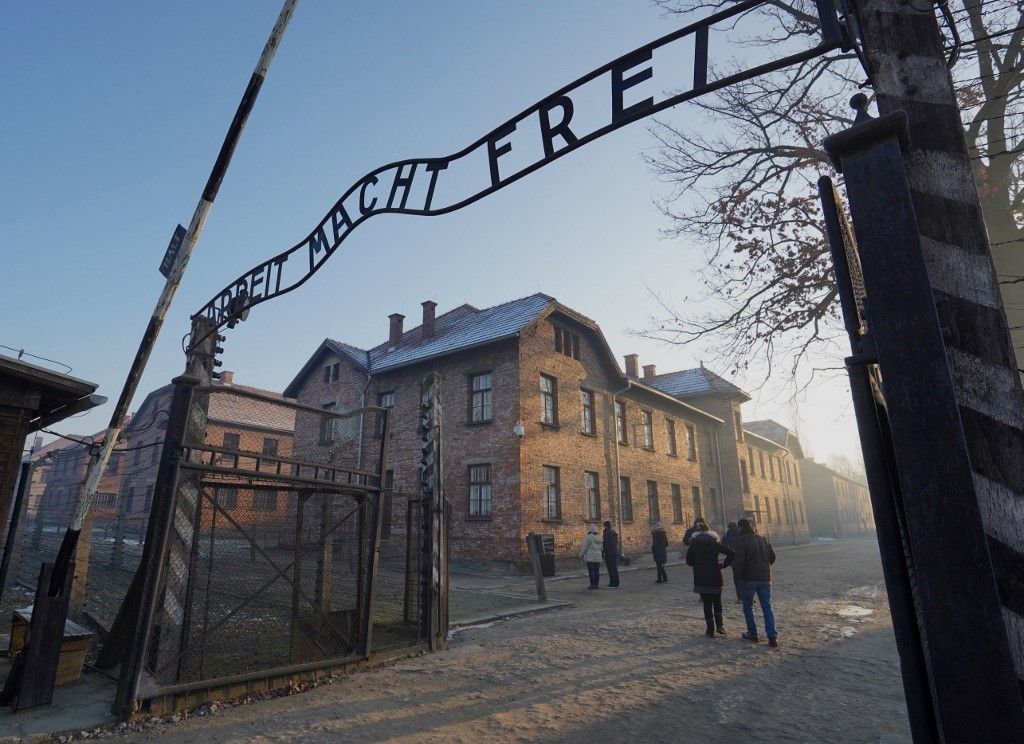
(332,372)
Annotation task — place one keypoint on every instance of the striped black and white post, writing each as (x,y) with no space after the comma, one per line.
(909,72)
(87,492)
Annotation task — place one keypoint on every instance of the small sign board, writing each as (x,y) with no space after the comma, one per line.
(547,544)
(172,251)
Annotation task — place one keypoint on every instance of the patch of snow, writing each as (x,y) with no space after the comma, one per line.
(854,611)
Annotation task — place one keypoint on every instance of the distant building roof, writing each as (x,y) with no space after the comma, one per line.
(775,432)
(464,327)
(236,409)
(694,382)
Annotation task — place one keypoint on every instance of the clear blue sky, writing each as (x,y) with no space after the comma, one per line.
(113,114)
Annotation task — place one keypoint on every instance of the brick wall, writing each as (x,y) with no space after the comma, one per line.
(574,453)
(778,502)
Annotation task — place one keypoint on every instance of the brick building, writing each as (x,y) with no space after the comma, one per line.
(837,505)
(234,423)
(543,432)
(127,485)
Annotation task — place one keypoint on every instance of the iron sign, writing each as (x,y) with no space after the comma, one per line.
(633,86)
(171,254)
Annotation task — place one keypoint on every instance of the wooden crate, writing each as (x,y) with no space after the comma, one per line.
(72,648)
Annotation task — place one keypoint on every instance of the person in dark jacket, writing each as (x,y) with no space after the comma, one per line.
(702,554)
(729,540)
(659,549)
(753,566)
(610,552)
(690,530)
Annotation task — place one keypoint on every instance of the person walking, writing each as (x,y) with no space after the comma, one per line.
(730,540)
(610,552)
(659,549)
(754,559)
(702,554)
(590,552)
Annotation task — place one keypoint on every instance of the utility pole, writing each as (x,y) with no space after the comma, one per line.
(87,493)
(908,69)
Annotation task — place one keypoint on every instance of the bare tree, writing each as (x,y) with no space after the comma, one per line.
(744,187)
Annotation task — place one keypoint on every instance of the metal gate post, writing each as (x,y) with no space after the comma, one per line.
(435,564)
(150,591)
(959,617)
(883,487)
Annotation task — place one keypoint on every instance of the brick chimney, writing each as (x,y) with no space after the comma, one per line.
(632,365)
(395,335)
(227,377)
(649,371)
(428,318)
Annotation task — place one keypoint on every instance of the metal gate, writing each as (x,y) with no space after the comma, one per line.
(263,568)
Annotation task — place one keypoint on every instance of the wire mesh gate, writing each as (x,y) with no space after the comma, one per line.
(267,565)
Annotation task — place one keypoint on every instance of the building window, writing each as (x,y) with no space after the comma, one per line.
(332,372)
(768,510)
(592,483)
(479,490)
(548,400)
(129,500)
(567,343)
(760,457)
(653,507)
(620,422)
(114,462)
(264,499)
(771,466)
(625,499)
(149,498)
(105,499)
(384,400)
(691,443)
(670,434)
(231,441)
(154,450)
(588,422)
(648,429)
(480,397)
(270,446)
(327,425)
(743,477)
(552,493)
(698,507)
(739,425)
(227,497)
(677,504)
(778,511)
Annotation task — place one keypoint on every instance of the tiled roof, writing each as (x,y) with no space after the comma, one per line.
(775,432)
(699,381)
(462,328)
(356,356)
(235,409)
(771,430)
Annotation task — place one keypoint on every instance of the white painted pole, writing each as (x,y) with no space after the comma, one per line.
(87,493)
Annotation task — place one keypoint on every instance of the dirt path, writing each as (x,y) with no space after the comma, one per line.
(623,665)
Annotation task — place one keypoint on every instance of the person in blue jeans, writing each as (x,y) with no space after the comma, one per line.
(753,567)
